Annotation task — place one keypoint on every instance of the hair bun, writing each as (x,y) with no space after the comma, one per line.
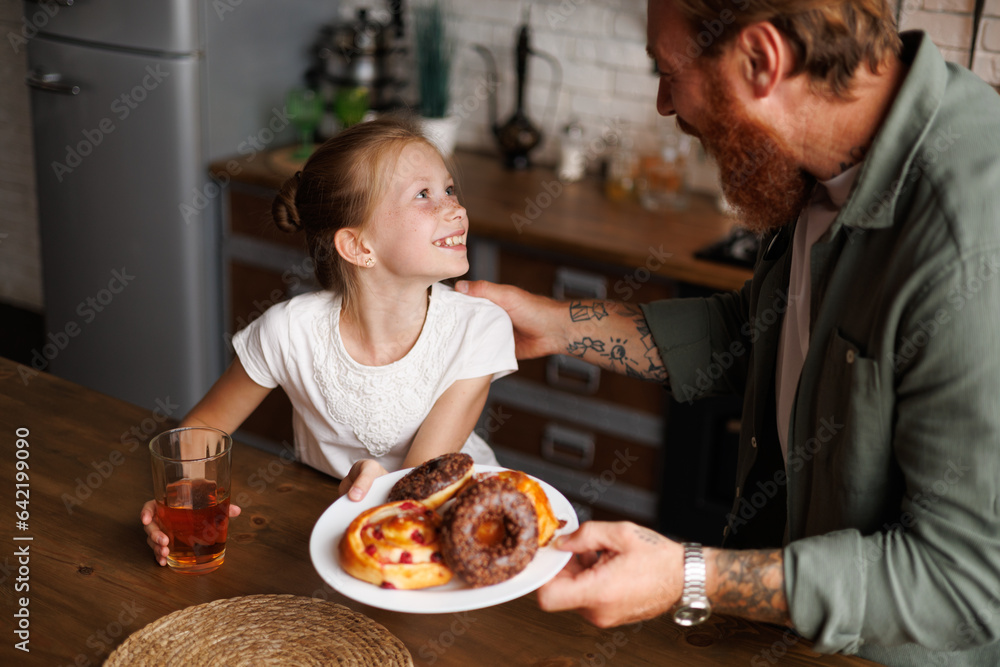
(283,208)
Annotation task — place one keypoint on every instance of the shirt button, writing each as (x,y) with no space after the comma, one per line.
(753,441)
(850,356)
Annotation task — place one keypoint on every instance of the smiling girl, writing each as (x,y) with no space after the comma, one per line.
(385,367)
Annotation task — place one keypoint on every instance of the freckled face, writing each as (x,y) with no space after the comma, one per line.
(419,229)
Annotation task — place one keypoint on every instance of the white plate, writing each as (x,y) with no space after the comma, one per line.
(451,597)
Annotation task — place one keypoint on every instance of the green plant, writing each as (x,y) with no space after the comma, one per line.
(435,47)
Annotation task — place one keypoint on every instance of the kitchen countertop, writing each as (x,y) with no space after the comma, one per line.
(532,208)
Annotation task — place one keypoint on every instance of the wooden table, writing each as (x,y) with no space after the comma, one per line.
(90,580)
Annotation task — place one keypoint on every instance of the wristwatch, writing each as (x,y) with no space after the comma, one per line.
(694,606)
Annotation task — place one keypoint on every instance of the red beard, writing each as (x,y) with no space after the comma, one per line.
(760,178)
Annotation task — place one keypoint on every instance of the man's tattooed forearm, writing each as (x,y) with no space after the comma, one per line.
(639,359)
(751,584)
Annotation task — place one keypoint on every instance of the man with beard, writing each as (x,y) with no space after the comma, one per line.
(865,346)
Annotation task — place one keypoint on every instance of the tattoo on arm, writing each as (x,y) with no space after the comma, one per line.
(751,584)
(624,344)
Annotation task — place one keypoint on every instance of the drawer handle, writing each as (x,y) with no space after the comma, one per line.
(567,446)
(572,374)
(573,284)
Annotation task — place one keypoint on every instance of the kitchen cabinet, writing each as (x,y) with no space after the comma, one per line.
(617,447)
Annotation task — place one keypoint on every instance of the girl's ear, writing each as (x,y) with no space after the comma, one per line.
(350,246)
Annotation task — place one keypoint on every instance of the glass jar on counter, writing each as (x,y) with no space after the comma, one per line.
(661,182)
(622,169)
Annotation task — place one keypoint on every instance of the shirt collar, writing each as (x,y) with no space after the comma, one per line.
(872,203)
(838,188)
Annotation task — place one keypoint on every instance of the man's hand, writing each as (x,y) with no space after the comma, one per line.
(609,334)
(537,320)
(620,573)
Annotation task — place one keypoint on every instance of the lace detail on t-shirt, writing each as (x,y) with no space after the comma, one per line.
(378,402)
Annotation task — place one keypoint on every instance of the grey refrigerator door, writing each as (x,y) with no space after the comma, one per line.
(128,284)
(150,25)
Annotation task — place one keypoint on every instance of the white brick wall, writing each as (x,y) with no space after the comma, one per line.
(20,260)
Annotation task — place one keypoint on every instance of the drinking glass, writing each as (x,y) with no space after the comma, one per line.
(191,486)
(305,110)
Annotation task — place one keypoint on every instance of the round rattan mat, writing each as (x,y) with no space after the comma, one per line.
(262,630)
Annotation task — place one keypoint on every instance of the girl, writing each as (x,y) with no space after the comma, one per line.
(385,367)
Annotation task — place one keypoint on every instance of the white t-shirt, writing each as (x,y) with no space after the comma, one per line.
(345,411)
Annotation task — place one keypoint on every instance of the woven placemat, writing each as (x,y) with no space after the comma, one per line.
(262,630)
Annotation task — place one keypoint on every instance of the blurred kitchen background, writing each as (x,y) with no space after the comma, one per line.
(245,55)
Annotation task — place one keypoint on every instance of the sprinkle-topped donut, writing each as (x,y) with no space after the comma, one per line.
(433,482)
(490,533)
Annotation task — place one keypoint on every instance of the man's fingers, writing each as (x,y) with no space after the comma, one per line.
(591,536)
(573,588)
(480,288)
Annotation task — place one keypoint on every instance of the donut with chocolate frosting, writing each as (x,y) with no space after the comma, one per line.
(490,532)
(433,482)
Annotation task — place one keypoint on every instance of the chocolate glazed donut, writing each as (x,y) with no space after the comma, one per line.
(490,533)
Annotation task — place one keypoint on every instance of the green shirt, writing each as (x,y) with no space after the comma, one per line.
(888,505)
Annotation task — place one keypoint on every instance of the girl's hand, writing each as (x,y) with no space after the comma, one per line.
(156,538)
(359,480)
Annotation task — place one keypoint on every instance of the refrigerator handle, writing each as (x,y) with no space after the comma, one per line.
(51,82)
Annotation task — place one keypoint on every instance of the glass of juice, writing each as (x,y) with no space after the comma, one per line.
(191,485)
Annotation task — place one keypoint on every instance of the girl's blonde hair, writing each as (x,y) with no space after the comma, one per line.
(339,187)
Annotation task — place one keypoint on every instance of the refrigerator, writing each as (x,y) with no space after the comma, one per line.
(131,100)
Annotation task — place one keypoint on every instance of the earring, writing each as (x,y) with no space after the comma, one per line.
(369,262)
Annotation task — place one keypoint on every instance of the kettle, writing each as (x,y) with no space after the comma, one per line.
(518,136)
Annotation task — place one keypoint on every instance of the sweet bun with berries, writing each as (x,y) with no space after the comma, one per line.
(396,545)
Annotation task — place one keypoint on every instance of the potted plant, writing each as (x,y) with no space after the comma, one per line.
(435,47)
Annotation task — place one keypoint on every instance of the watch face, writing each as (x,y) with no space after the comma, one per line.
(693,614)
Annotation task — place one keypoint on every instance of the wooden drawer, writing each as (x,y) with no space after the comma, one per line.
(602,459)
